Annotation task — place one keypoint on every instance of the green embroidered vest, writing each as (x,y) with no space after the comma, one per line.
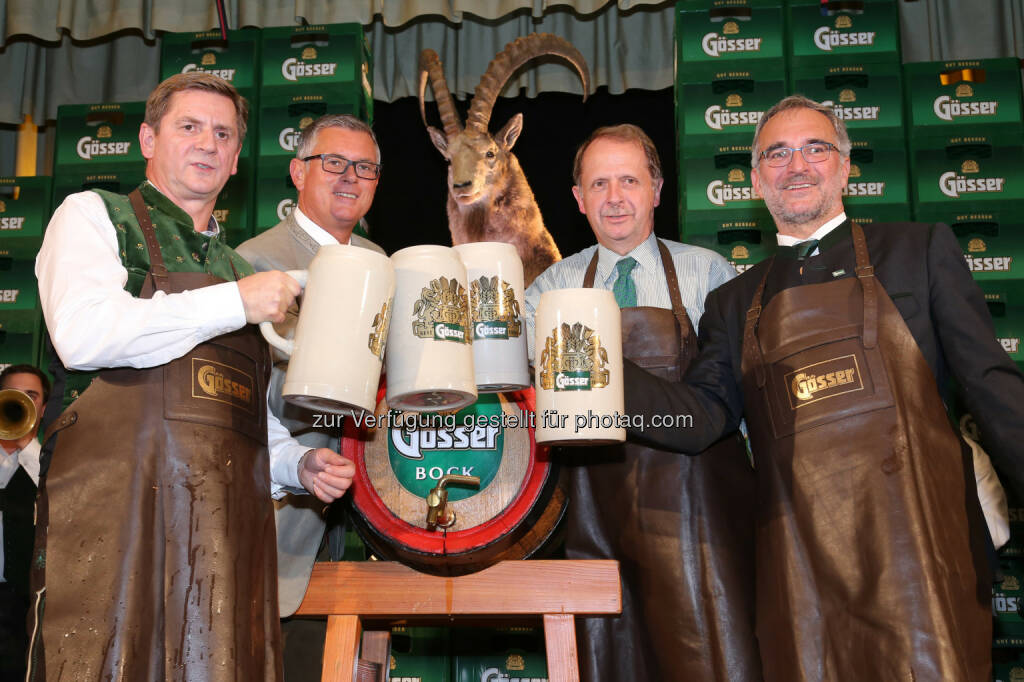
(183,249)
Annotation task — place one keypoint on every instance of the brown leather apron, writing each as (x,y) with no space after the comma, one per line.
(160,547)
(864,567)
(682,529)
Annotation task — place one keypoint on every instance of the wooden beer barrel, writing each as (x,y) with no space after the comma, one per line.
(515,510)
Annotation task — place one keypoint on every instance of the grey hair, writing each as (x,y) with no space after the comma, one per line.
(801,102)
(347,121)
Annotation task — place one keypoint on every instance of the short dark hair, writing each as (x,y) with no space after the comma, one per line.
(160,99)
(624,132)
(27,369)
(801,102)
(347,121)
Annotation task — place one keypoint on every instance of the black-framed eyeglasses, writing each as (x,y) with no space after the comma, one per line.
(814,152)
(333,163)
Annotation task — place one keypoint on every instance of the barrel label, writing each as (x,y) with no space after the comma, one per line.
(573,359)
(442,311)
(379,330)
(495,309)
(423,447)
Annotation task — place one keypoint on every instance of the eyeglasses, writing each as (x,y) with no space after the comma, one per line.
(815,152)
(333,163)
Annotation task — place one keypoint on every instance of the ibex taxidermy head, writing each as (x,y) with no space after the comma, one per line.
(488,196)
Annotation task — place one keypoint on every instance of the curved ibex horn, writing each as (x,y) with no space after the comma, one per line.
(430,65)
(505,63)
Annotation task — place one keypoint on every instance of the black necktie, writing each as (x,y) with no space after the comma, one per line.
(799,251)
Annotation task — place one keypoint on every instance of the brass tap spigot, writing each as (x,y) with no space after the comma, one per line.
(438,512)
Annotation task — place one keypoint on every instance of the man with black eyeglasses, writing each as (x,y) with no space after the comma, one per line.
(837,351)
(336,170)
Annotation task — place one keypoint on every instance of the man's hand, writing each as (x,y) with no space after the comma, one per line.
(267,295)
(326,474)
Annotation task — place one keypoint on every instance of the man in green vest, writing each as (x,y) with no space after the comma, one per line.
(155,540)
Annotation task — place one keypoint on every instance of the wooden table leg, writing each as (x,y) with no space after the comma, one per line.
(560,642)
(341,647)
(377,649)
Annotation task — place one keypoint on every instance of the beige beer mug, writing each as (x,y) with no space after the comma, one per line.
(578,381)
(337,351)
(495,274)
(430,353)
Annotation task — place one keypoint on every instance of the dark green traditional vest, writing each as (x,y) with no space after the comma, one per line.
(183,249)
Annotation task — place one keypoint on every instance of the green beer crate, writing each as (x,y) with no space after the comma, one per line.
(1007,665)
(742,248)
(868,98)
(877,190)
(716,190)
(19,297)
(117,180)
(994,252)
(321,58)
(723,111)
(19,349)
(718,35)
(235,207)
(24,212)
(95,137)
(1009,324)
(501,655)
(420,654)
(843,32)
(236,59)
(1008,603)
(964,97)
(284,117)
(970,172)
(276,195)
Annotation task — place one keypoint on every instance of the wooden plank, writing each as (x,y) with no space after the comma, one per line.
(560,644)
(341,646)
(377,649)
(378,588)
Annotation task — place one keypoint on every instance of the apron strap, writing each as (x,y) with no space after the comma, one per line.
(157,268)
(866,277)
(588,277)
(687,334)
(753,355)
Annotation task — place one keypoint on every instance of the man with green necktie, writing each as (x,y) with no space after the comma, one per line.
(681,528)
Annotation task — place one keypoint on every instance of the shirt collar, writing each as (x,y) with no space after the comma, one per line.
(788,240)
(162,202)
(320,235)
(646,254)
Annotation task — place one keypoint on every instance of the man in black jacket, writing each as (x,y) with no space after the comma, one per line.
(835,351)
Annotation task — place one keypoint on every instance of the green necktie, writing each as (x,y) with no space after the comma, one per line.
(624,288)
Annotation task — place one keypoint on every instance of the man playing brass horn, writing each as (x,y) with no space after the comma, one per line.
(336,170)
(681,528)
(155,538)
(870,557)
(19,478)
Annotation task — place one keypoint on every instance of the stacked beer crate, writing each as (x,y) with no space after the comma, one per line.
(430,654)
(967,144)
(730,68)
(307,72)
(847,55)
(24,210)
(236,60)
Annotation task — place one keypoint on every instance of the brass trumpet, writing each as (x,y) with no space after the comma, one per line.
(17,414)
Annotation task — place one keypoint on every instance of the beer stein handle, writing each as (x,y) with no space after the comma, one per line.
(286,346)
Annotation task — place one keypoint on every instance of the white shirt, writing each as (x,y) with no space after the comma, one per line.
(94,323)
(26,457)
(319,234)
(787,240)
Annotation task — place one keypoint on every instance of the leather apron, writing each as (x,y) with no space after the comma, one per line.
(156,517)
(682,529)
(863,554)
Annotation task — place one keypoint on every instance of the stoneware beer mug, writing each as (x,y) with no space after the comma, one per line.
(495,275)
(430,356)
(337,352)
(578,380)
